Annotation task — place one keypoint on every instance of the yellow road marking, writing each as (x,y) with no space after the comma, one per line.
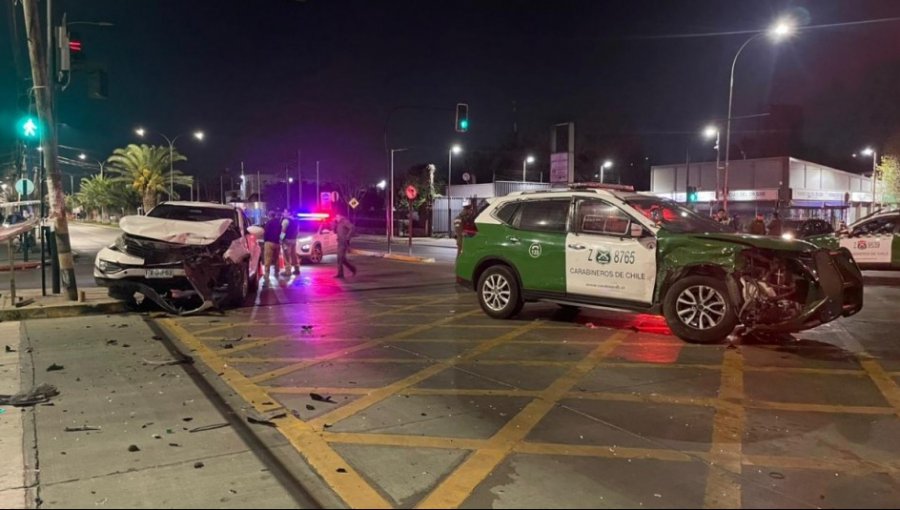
(350,485)
(723,489)
(380,394)
(609,452)
(406,441)
(886,385)
(848,466)
(817,408)
(459,484)
(244,346)
(279,372)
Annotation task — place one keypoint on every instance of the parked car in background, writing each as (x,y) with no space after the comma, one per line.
(874,241)
(804,229)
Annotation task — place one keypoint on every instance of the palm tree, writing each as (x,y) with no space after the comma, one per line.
(96,193)
(146,169)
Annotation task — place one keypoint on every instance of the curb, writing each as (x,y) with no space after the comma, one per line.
(393,256)
(20,266)
(61,311)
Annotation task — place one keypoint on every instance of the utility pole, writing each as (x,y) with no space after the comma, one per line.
(43,93)
(317,185)
(299,182)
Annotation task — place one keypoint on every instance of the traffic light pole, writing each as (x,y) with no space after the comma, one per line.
(43,92)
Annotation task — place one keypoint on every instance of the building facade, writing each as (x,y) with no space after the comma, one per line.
(795,188)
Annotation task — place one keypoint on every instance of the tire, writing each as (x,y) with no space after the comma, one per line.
(698,310)
(240,287)
(316,255)
(498,293)
(254,280)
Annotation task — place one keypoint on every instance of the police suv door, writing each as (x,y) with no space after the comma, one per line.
(872,243)
(605,259)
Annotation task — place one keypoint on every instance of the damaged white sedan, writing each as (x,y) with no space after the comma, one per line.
(184,256)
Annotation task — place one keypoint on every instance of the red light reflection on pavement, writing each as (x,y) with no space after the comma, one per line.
(661,350)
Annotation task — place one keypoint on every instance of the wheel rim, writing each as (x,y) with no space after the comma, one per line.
(245,284)
(317,254)
(496,292)
(700,307)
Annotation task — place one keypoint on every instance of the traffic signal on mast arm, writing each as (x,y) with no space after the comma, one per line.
(462,117)
(692,194)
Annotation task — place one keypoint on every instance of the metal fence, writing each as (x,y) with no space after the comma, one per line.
(439,214)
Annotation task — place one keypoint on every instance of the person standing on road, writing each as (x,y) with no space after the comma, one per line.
(272,239)
(344,230)
(758,226)
(464,218)
(289,231)
(775,227)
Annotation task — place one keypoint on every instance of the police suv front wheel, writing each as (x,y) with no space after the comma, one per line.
(698,310)
(498,293)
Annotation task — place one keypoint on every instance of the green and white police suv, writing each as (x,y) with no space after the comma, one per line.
(602,248)
(874,241)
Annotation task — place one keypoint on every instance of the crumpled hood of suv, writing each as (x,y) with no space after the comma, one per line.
(193,233)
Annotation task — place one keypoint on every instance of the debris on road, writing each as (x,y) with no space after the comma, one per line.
(198,465)
(25,302)
(10,349)
(83,428)
(133,448)
(320,398)
(54,367)
(310,407)
(37,395)
(186,360)
(205,428)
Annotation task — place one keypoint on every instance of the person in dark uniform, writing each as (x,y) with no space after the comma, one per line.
(775,228)
(758,226)
(344,230)
(272,240)
(289,231)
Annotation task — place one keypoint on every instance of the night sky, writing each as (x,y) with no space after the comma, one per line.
(265,78)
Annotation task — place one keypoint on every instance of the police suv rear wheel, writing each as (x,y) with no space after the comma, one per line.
(316,256)
(498,293)
(698,310)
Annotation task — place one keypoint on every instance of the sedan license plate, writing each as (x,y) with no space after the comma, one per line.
(160,273)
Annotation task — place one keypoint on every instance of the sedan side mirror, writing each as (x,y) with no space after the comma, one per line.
(637,230)
(256,231)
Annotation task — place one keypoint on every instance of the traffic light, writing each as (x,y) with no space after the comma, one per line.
(692,194)
(462,117)
(29,128)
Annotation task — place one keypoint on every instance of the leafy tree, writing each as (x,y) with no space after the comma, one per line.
(146,170)
(96,194)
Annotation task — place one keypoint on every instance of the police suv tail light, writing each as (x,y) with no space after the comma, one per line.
(470,230)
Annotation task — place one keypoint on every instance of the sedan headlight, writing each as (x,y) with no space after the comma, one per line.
(108,267)
(305,247)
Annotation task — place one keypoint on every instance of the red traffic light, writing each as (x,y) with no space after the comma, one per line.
(75,46)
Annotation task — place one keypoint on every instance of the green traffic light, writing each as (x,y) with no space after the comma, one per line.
(464,124)
(29,128)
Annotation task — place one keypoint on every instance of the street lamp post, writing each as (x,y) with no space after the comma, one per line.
(606,164)
(197,134)
(390,212)
(868,151)
(713,132)
(782,29)
(456,149)
(525,162)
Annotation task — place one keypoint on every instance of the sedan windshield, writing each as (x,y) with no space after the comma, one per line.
(675,218)
(185,213)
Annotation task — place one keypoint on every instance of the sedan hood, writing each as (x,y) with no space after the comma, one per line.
(764,242)
(193,233)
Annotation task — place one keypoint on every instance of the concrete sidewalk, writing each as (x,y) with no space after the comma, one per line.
(130,429)
(13,492)
(54,306)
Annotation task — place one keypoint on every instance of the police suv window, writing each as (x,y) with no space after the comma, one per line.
(877,226)
(544,215)
(507,212)
(595,217)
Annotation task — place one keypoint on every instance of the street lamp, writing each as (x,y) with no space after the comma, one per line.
(199,135)
(82,156)
(868,151)
(381,184)
(709,133)
(390,211)
(606,164)
(782,29)
(456,149)
(527,161)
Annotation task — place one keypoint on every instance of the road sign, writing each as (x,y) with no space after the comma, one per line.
(354,203)
(411,192)
(325,199)
(24,187)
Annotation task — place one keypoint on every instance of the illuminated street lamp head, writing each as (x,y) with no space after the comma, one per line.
(381,184)
(529,159)
(290,180)
(82,156)
(607,164)
(456,149)
(139,131)
(868,151)
(782,29)
(199,135)
(710,131)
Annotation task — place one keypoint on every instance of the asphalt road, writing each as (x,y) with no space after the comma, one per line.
(427,402)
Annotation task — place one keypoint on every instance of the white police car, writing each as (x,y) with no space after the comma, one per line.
(316,236)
